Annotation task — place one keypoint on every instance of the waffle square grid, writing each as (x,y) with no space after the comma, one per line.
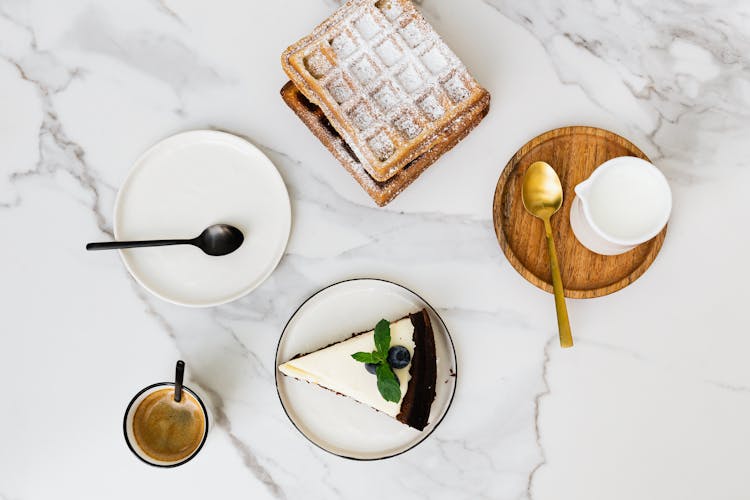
(385,80)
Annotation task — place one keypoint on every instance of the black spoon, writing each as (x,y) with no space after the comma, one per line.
(219,239)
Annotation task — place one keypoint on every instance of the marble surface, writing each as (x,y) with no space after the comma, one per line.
(652,403)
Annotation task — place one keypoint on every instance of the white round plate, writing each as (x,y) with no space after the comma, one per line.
(336,423)
(184,184)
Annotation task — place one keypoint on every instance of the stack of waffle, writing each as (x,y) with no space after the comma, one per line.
(382,92)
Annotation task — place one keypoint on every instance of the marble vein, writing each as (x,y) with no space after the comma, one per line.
(673,76)
(464,446)
(537,420)
(57,151)
(739,389)
(221,418)
(249,458)
(670,96)
(327,475)
(247,353)
(162,6)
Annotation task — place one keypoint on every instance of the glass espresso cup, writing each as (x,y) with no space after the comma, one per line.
(163,432)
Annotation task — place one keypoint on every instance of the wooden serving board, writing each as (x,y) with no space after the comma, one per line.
(574,153)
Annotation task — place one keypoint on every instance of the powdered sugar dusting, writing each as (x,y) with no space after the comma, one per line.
(456,88)
(413,33)
(432,107)
(361,116)
(389,52)
(318,64)
(381,145)
(340,90)
(386,97)
(343,45)
(407,125)
(364,69)
(434,60)
(367,26)
(410,79)
(385,55)
(390,9)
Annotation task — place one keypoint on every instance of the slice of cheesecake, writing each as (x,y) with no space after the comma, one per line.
(334,368)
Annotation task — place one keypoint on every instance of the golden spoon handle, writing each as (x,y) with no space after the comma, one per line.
(563,325)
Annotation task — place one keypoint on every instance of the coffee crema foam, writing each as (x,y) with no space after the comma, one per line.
(167,430)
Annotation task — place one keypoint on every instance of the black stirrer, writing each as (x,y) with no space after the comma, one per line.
(179,373)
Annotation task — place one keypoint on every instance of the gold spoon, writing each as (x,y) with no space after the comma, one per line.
(542,196)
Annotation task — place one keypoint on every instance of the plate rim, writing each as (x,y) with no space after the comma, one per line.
(656,242)
(452,349)
(138,165)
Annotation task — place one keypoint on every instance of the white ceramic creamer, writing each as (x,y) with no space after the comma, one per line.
(625,202)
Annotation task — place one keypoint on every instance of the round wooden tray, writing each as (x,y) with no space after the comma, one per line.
(574,152)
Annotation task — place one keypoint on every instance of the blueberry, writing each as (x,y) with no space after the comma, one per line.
(371,367)
(398,356)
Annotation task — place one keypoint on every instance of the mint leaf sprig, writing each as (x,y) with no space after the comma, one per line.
(388,384)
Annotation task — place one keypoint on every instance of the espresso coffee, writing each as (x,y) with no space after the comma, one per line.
(166,430)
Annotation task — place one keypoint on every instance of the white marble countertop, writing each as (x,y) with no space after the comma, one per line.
(652,403)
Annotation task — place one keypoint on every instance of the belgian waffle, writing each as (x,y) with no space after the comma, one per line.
(389,87)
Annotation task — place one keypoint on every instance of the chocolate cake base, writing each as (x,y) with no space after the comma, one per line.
(416,404)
